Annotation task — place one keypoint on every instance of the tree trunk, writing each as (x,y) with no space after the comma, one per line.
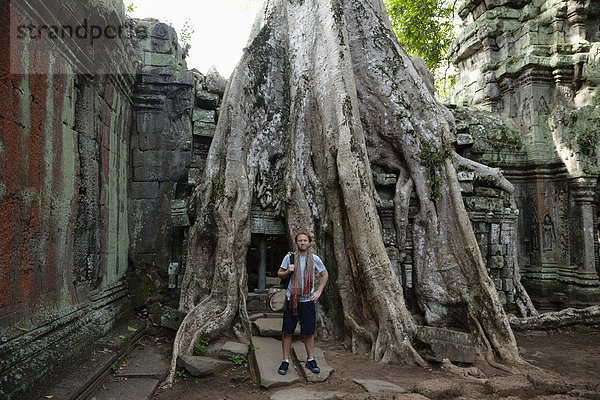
(322,93)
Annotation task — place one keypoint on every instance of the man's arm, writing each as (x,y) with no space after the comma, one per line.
(284,273)
(317,293)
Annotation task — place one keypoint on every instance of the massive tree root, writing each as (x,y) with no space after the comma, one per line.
(322,93)
(558,319)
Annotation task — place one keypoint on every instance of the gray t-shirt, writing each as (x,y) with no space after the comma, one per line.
(300,265)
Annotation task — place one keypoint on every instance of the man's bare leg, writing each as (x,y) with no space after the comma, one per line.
(286,345)
(309,344)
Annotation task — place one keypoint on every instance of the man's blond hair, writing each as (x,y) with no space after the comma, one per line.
(303,233)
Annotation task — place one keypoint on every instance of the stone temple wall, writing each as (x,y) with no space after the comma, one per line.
(100,145)
(64,184)
(160,143)
(536,66)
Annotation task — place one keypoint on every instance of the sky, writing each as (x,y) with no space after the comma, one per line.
(221,27)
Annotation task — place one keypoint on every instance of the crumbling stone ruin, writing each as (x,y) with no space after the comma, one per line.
(531,69)
(96,170)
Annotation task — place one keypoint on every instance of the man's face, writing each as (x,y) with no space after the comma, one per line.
(302,242)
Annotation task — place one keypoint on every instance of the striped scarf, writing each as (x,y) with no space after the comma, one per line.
(297,288)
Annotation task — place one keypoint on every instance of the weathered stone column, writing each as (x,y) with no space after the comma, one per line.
(583,194)
(262,266)
(576,16)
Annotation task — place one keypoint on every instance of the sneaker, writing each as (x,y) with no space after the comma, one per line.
(283,368)
(312,365)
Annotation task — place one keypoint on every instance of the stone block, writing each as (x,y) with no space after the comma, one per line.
(204,129)
(385,179)
(445,343)
(497,249)
(264,361)
(464,139)
(230,349)
(171,318)
(506,236)
(302,393)
(179,215)
(205,116)
(270,327)
(465,176)
(254,305)
(202,366)
(149,174)
(144,190)
(150,121)
(149,141)
(206,100)
(214,82)
(513,385)
(495,262)
(495,233)
(159,60)
(466,187)
(182,76)
(374,386)
(146,158)
(439,388)
(145,362)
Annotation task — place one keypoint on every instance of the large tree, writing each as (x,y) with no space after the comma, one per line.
(322,93)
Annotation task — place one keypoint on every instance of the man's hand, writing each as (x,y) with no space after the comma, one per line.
(291,268)
(314,296)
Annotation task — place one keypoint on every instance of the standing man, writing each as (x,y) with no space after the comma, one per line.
(301,297)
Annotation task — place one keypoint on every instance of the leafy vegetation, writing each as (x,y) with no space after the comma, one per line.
(185,36)
(182,374)
(425,28)
(238,359)
(129,9)
(433,160)
(200,348)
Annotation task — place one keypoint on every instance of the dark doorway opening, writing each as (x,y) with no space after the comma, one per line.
(266,251)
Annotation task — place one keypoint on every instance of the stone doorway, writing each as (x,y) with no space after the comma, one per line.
(264,258)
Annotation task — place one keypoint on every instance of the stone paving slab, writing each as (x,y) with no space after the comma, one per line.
(300,352)
(305,394)
(373,386)
(514,385)
(128,389)
(271,326)
(145,362)
(202,365)
(85,378)
(439,388)
(267,357)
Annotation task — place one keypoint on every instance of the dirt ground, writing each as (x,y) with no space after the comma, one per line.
(571,356)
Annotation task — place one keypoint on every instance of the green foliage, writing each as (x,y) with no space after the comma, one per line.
(129,9)
(432,159)
(181,374)
(185,36)
(200,348)
(424,28)
(238,359)
(587,141)
(218,191)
